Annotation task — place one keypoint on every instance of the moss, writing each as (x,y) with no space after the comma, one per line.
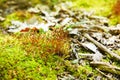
(23,58)
(18,15)
(2,2)
(40,56)
(114,20)
(55,42)
(34,2)
(84,71)
(101,7)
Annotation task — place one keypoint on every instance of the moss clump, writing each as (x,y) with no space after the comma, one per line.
(32,55)
(52,42)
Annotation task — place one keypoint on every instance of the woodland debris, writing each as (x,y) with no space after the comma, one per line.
(97,56)
(107,67)
(102,47)
(115,30)
(90,46)
(93,33)
(24,27)
(109,77)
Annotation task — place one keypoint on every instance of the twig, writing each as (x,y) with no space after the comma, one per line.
(102,47)
(106,67)
(88,55)
(103,74)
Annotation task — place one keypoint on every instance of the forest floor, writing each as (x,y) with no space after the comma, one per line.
(66,41)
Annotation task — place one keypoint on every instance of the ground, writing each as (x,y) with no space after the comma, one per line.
(39,55)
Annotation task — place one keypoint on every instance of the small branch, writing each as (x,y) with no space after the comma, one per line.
(88,55)
(106,67)
(103,74)
(102,47)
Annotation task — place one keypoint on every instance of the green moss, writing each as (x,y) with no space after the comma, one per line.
(2,1)
(34,2)
(23,59)
(84,71)
(101,7)
(117,51)
(18,15)
(114,20)
(16,63)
